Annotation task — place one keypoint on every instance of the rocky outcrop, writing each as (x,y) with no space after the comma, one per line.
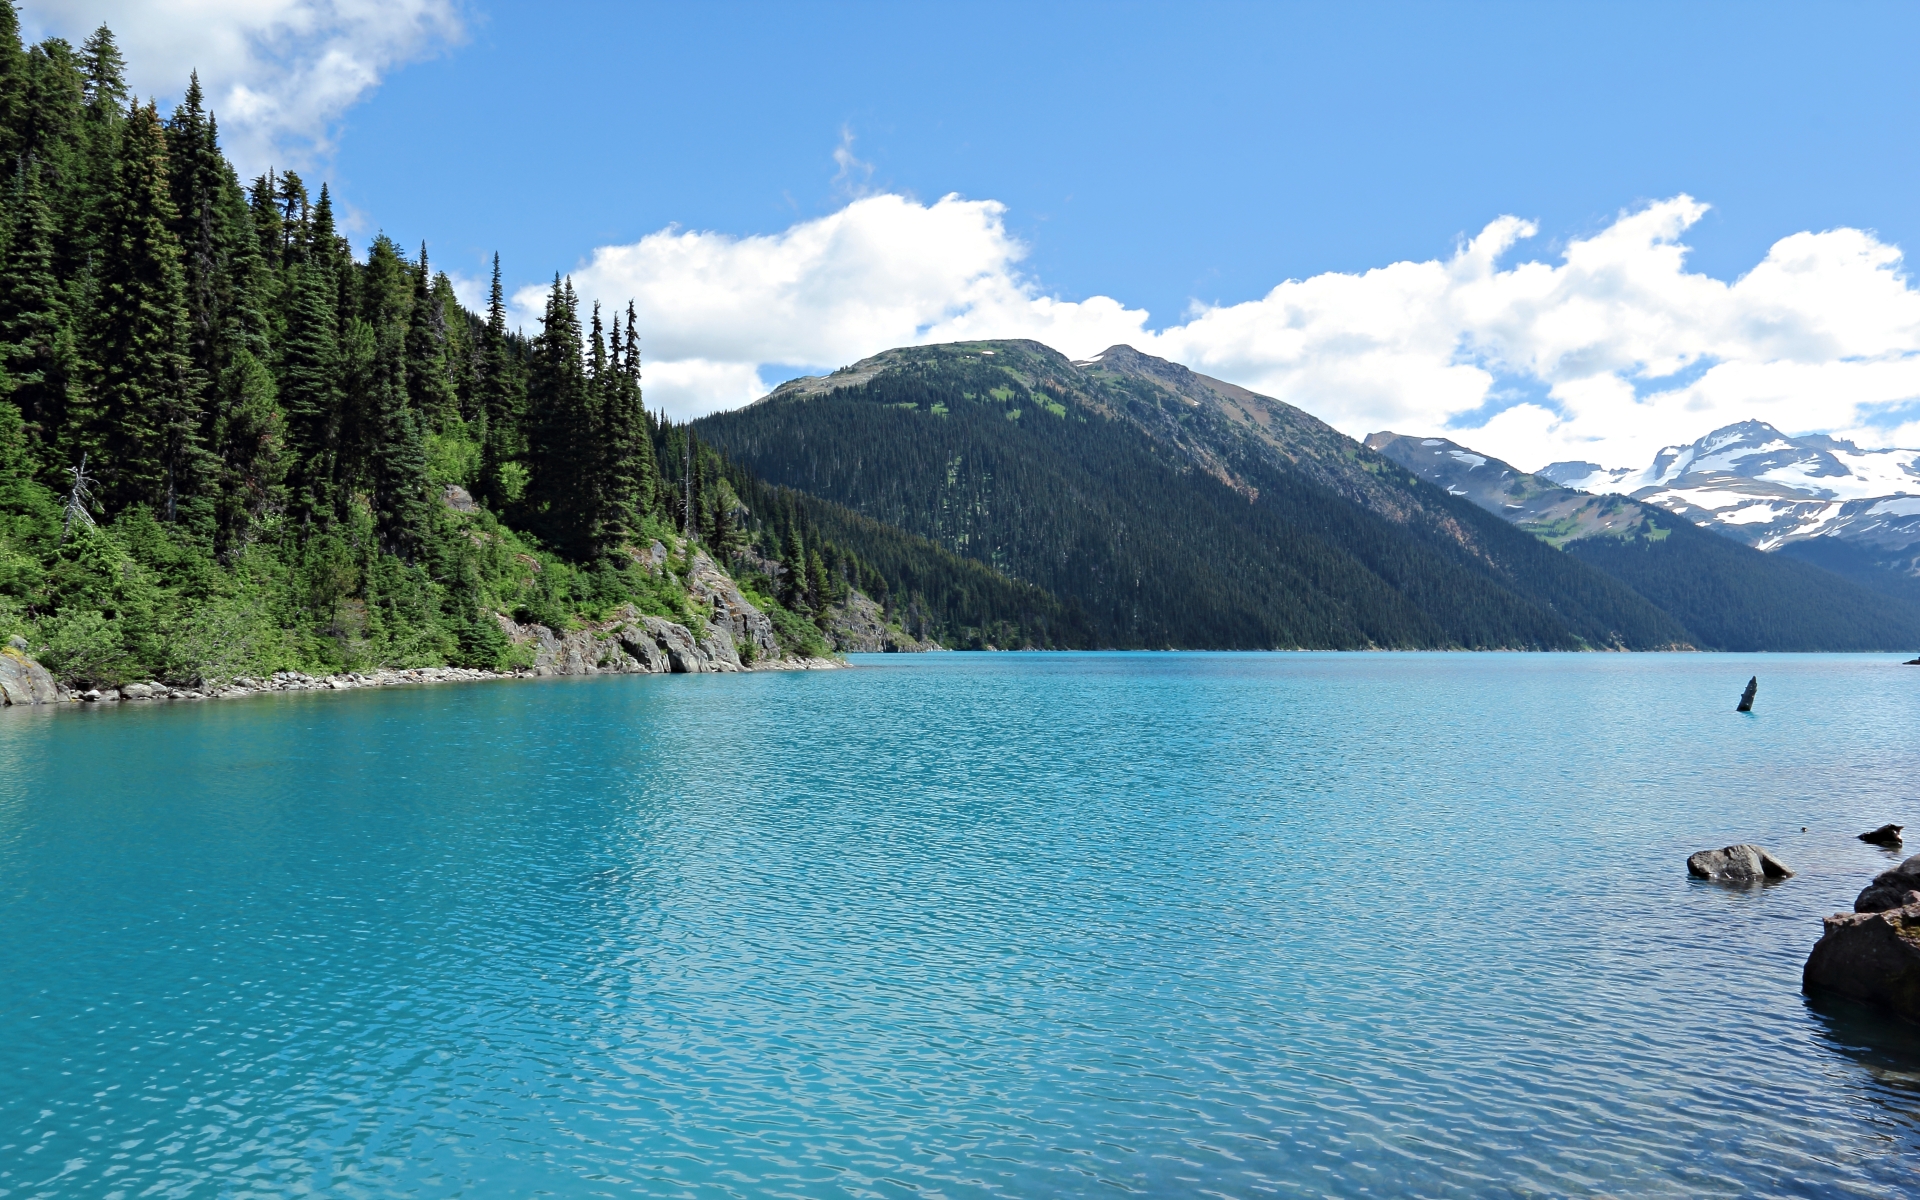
(1886,835)
(628,645)
(746,625)
(1869,956)
(860,627)
(458,499)
(24,681)
(1744,863)
(1891,889)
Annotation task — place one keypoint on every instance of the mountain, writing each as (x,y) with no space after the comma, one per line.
(1728,595)
(1170,509)
(1820,499)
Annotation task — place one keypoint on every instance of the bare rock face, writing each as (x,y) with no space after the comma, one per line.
(24,681)
(1744,863)
(1886,835)
(631,645)
(1870,956)
(745,624)
(860,627)
(458,499)
(1891,889)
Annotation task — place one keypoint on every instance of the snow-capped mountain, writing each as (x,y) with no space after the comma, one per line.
(1757,485)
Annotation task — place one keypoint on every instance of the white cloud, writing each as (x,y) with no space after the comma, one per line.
(883,271)
(1606,354)
(277,73)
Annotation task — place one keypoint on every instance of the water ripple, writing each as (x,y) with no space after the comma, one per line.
(1023,925)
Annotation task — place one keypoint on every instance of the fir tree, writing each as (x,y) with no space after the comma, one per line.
(14,89)
(428,387)
(628,440)
(561,419)
(143,414)
(400,488)
(36,337)
(499,402)
(311,392)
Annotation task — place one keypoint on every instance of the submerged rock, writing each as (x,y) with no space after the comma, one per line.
(1870,956)
(1746,697)
(1886,835)
(1744,863)
(1895,888)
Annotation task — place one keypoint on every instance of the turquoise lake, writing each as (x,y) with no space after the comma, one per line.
(959,925)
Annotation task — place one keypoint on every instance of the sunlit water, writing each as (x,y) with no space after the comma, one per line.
(958,925)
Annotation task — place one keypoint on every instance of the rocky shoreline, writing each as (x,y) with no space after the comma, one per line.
(629,644)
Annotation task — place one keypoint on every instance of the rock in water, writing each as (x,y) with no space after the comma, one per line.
(1744,863)
(1896,888)
(1746,697)
(1870,956)
(24,681)
(1886,835)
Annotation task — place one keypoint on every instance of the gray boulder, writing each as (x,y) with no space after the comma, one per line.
(1891,889)
(1869,956)
(1886,835)
(1744,863)
(24,681)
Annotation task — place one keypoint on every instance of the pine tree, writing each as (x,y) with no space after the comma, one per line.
(500,396)
(14,90)
(627,437)
(561,425)
(36,335)
(428,387)
(312,395)
(400,488)
(143,415)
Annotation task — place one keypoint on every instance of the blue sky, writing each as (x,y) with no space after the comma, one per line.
(1151,173)
(1157,153)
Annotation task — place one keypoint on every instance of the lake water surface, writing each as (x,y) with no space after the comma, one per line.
(959,925)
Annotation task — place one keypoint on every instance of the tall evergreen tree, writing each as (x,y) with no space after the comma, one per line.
(36,335)
(14,89)
(428,387)
(141,426)
(500,402)
(628,437)
(312,395)
(561,419)
(400,488)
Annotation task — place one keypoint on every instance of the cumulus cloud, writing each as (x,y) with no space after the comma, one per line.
(883,271)
(1607,352)
(278,73)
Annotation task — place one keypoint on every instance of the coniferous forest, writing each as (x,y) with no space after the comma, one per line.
(230,440)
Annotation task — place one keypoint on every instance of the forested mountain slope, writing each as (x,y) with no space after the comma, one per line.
(232,443)
(1160,521)
(1731,596)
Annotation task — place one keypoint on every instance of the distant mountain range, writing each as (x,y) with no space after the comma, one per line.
(1166,508)
(1730,596)
(1816,498)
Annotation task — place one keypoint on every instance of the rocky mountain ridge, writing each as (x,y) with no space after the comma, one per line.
(1770,491)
